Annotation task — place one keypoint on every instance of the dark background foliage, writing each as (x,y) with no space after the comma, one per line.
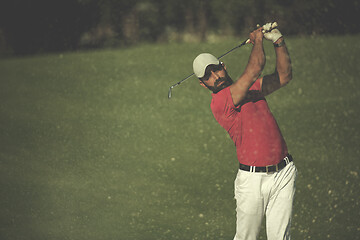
(36,26)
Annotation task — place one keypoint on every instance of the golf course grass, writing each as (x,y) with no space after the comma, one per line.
(91,147)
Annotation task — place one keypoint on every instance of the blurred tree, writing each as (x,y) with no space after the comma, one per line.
(41,25)
(186,16)
(227,18)
(195,17)
(5,49)
(151,22)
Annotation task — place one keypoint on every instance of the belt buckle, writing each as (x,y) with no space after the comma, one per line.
(268,166)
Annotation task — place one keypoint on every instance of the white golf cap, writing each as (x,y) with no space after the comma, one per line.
(202,61)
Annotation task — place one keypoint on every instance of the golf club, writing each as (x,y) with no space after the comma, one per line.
(243,43)
(176,84)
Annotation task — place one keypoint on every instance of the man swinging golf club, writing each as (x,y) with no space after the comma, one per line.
(265,182)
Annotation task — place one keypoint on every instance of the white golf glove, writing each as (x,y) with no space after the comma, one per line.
(271,33)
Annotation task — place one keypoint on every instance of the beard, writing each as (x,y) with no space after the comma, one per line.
(221,83)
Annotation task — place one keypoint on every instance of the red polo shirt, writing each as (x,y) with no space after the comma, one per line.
(251,126)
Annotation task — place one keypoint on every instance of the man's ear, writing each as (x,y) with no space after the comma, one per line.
(223,65)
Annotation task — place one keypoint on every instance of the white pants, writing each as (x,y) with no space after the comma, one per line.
(269,194)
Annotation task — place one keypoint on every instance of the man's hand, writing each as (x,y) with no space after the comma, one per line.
(256,35)
(271,33)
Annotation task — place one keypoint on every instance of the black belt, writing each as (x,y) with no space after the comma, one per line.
(270,168)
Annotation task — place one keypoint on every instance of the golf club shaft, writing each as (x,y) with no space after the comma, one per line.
(243,43)
(176,84)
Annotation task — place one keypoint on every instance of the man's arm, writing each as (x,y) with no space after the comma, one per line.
(283,72)
(253,69)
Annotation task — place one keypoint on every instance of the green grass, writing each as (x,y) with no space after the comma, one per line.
(91,148)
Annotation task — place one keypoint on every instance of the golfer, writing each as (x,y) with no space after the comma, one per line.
(265,182)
